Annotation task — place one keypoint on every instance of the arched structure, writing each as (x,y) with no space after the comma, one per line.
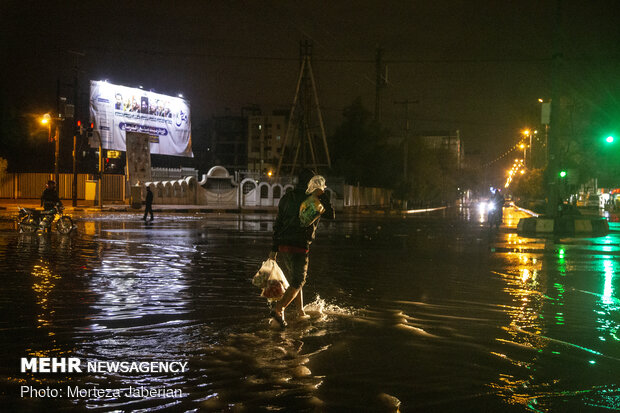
(219,189)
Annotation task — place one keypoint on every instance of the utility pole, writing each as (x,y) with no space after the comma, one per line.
(554,121)
(76,105)
(380,82)
(57,134)
(56,152)
(406,104)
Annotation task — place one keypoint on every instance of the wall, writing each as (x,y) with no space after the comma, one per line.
(31,186)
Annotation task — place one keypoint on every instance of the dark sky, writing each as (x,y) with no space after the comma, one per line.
(477,66)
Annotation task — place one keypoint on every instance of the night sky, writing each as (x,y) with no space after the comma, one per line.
(477,66)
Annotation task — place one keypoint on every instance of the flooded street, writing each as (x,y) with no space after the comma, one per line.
(432,311)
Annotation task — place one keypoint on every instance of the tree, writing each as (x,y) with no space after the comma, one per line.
(360,151)
(530,186)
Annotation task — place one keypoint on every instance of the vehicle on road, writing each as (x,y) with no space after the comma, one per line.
(31,220)
(494,215)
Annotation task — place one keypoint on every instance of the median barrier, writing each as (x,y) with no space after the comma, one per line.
(563,226)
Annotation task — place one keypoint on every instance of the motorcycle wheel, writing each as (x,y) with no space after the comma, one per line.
(27,225)
(64,225)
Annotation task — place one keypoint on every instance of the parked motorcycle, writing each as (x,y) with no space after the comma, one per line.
(31,220)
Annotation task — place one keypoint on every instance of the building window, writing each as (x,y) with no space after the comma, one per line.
(264,192)
(276,192)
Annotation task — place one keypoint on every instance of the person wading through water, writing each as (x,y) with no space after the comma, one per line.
(291,239)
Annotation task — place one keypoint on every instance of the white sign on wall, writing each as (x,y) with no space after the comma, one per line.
(116,110)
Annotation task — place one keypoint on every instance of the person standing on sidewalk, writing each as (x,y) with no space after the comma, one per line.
(149,203)
(291,240)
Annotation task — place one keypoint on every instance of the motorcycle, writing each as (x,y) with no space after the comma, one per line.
(494,216)
(30,220)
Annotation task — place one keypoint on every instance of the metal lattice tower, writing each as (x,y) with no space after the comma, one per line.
(302,131)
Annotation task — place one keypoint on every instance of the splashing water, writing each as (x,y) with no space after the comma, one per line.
(321,306)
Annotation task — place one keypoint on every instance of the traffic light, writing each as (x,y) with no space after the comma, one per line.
(79,130)
(609,139)
(562,174)
(89,130)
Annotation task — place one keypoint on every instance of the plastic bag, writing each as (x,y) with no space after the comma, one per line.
(316,182)
(260,278)
(271,279)
(310,210)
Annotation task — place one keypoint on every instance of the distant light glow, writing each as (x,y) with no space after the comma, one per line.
(609,139)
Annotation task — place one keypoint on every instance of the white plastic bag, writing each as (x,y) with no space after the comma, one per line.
(317,182)
(271,279)
(260,278)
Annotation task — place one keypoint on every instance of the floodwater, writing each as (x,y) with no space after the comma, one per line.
(426,313)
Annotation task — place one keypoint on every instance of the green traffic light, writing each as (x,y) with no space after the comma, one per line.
(562,174)
(609,139)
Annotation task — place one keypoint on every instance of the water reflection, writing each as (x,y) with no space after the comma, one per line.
(44,282)
(551,315)
(608,308)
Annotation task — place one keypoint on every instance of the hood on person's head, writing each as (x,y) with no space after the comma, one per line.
(304,176)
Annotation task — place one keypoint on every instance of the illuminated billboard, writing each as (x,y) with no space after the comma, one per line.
(116,110)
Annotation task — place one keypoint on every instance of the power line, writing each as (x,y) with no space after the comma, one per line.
(154,52)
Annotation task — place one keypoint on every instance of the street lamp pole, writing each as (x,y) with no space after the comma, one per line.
(47,120)
(56,153)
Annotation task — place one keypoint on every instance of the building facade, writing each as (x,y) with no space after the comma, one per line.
(449,141)
(265,141)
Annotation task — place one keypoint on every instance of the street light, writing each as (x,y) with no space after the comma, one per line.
(528,134)
(47,120)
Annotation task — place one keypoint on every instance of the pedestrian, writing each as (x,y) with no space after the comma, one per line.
(149,203)
(291,240)
(49,198)
(499,201)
